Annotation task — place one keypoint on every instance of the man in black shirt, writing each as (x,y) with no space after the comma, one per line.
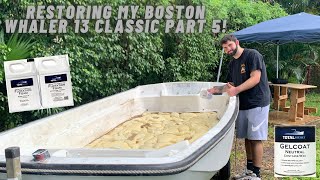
(247,72)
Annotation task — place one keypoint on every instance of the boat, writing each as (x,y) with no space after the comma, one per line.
(65,135)
(295,133)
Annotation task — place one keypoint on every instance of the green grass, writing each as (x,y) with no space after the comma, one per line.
(313,100)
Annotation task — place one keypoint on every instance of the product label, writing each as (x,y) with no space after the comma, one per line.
(295,151)
(56,85)
(55,78)
(22,90)
(21,82)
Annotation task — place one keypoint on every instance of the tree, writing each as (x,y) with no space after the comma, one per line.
(105,64)
(297,6)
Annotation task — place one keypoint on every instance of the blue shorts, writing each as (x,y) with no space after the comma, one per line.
(252,124)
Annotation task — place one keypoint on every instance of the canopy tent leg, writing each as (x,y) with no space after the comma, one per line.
(218,77)
(277,60)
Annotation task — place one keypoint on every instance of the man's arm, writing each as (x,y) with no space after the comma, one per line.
(248,84)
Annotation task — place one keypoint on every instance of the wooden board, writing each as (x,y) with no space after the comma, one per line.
(294,86)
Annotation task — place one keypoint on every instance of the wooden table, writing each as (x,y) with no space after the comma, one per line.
(297,99)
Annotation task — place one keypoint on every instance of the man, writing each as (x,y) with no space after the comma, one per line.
(247,72)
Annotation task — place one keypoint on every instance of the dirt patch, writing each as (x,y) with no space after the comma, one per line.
(238,162)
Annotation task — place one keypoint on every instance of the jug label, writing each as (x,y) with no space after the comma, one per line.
(55,78)
(57,86)
(21,83)
(23,95)
(22,90)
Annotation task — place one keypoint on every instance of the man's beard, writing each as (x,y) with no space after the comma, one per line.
(234,51)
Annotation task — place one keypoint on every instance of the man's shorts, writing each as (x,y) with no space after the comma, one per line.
(252,124)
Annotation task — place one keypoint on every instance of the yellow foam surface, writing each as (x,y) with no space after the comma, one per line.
(157,130)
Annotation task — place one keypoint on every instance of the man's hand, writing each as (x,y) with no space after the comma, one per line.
(231,90)
(220,89)
(216,89)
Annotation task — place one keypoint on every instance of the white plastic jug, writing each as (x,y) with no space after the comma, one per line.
(22,85)
(55,81)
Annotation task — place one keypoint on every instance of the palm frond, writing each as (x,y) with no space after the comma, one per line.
(19,48)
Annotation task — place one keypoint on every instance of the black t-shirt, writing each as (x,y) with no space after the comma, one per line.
(239,72)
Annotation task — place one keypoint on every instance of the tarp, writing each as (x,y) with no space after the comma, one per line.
(301,27)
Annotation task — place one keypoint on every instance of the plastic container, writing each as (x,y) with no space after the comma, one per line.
(55,81)
(22,85)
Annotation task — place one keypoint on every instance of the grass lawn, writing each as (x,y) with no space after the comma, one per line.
(238,157)
(313,100)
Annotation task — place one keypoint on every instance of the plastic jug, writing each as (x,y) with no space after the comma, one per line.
(22,85)
(55,81)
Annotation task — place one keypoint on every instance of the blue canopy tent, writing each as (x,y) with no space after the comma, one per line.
(301,27)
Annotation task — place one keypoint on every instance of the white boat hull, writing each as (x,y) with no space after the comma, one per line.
(65,135)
